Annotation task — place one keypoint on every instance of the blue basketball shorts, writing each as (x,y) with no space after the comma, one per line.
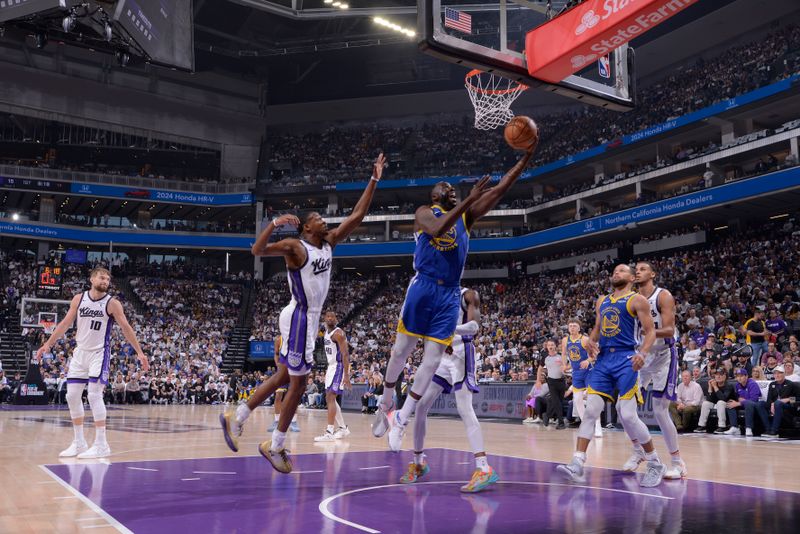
(430,310)
(613,371)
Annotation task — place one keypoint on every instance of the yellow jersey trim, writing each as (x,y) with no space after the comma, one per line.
(592,391)
(614,300)
(401,329)
(628,307)
(631,393)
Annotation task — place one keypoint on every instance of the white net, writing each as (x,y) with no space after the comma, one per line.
(492,96)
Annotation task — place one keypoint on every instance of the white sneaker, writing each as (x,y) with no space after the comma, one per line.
(632,464)
(342,432)
(748,432)
(528,421)
(381,423)
(573,471)
(733,431)
(598,429)
(327,436)
(653,475)
(396,433)
(537,420)
(676,471)
(75,448)
(96,451)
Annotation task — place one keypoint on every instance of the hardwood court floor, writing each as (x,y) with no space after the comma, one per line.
(36,499)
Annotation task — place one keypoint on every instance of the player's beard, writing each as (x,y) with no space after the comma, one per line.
(101,289)
(619,284)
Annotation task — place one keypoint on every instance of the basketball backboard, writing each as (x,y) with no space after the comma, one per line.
(39,313)
(492,37)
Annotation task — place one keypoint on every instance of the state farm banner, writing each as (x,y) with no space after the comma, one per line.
(566,44)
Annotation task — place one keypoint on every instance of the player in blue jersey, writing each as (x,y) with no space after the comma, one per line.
(573,349)
(621,318)
(432,304)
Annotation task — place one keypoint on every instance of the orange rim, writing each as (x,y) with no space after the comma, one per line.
(475,72)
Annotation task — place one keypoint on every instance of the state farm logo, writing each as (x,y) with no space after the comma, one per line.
(589,20)
(580,60)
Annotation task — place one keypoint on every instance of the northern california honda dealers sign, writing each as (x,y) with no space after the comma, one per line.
(568,43)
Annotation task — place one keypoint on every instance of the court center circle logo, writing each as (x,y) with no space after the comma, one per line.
(609,323)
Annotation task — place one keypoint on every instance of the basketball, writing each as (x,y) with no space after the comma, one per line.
(521,133)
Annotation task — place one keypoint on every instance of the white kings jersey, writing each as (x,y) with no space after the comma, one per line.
(458,341)
(309,284)
(332,351)
(660,343)
(94,324)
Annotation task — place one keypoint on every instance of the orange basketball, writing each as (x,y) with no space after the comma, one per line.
(521,133)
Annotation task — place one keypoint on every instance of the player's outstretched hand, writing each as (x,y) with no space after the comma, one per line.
(347,384)
(637,361)
(40,353)
(377,167)
(143,360)
(480,188)
(287,218)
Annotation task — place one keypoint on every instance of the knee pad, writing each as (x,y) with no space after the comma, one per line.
(594,407)
(74,400)
(96,401)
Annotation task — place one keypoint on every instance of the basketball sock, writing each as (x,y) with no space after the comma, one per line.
(482,464)
(329,429)
(294,418)
(78,430)
(100,436)
(419,457)
(580,457)
(277,417)
(278,438)
(407,410)
(676,457)
(652,456)
(242,413)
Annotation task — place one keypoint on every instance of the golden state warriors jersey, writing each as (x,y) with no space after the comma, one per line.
(442,258)
(619,326)
(575,352)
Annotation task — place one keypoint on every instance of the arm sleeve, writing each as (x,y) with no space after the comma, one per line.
(467,329)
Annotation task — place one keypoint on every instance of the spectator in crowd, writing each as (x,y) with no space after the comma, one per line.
(133,394)
(538,398)
(791,372)
(118,389)
(775,325)
(769,368)
(755,332)
(749,396)
(781,401)
(690,397)
(692,356)
(719,393)
(771,352)
(5,387)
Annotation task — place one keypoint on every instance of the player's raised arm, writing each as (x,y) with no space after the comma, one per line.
(666,304)
(488,201)
(341,232)
(284,247)
(115,310)
(62,327)
(429,223)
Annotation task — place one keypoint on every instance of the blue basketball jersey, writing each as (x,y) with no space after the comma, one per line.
(442,258)
(619,327)
(575,352)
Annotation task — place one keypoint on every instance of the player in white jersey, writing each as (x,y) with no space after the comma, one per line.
(308,263)
(455,371)
(96,312)
(660,369)
(337,378)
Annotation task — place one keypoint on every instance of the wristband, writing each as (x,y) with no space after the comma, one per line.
(374,179)
(275,222)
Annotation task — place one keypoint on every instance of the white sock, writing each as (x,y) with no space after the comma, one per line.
(100,436)
(482,464)
(277,417)
(419,458)
(580,457)
(330,429)
(652,456)
(676,457)
(278,438)
(294,417)
(78,429)
(407,410)
(242,413)
(386,399)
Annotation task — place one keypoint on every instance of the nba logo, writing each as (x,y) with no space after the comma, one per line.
(604,67)
(23,390)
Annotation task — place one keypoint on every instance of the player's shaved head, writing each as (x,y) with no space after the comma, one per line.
(443,194)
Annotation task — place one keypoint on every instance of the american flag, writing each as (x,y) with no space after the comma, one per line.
(457,20)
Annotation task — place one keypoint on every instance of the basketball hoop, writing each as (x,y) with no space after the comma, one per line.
(492,97)
(47,326)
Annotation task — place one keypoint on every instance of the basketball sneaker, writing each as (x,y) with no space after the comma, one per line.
(342,432)
(414,473)
(632,464)
(653,475)
(273,426)
(572,470)
(231,429)
(279,459)
(75,448)
(294,427)
(480,481)
(598,429)
(327,436)
(96,451)
(676,471)
(396,433)
(381,423)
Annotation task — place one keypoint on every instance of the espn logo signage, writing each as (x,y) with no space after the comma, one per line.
(568,43)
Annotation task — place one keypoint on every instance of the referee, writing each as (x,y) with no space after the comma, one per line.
(554,363)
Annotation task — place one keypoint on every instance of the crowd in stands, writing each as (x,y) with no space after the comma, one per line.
(341,154)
